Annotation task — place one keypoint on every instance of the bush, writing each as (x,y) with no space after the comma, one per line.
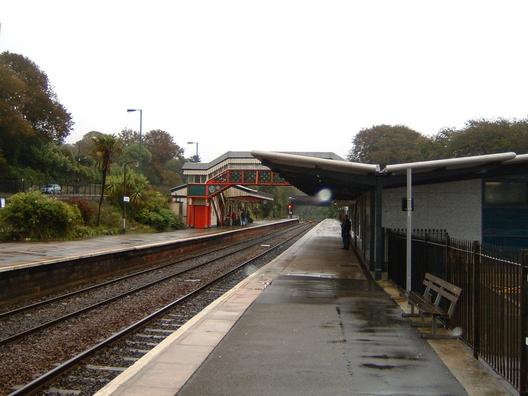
(156,213)
(88,210)
(35,216)
(161,219)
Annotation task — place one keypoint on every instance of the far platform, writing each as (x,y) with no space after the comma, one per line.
(21,254)
(311,322)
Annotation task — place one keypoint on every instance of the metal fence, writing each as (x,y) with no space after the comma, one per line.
(491,311)
(66,187)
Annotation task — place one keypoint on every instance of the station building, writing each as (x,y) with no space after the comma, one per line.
(482,198)
(216,193)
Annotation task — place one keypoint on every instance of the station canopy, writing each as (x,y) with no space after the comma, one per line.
(348,180)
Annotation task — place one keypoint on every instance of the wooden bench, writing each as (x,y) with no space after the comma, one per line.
(440,290)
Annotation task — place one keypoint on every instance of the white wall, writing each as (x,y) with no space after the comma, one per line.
(455,206)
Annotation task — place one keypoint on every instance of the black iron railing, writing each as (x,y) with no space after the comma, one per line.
(491,312)
(63,187)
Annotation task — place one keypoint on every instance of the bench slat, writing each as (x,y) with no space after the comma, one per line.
(446,285)
(443,290)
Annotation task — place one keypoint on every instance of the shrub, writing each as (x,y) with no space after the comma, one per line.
(110,219)
(88,210)
(161,218)
(156,213)
(35,216)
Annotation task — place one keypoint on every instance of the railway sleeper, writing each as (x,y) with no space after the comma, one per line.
(159,330)
(130,359)
(63,392)
(156,337)
(151,344)
(105,368)
(142,351)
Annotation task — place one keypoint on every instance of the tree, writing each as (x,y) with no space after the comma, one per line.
(106,146)
(486,137)
(30,114)
(132,153)
(163,149)
(28,97)
(388,144)
(162,146)
(195,158)
(128,136)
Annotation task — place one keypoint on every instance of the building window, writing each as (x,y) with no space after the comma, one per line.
(505,193)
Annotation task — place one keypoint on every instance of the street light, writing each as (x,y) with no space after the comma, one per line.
(126,199)
(196,158)
(140,133)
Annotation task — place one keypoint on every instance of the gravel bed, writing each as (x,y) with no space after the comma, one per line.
(126,351)
(25,359)
(7,306)
(25,320)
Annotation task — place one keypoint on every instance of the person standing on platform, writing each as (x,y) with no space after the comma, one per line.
(345,232)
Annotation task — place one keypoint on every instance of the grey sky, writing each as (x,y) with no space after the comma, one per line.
(275,75)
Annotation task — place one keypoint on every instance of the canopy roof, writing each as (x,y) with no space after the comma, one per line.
(347,180)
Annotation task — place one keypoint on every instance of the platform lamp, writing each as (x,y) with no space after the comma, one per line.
(140,135)
(126,199)
(196,158)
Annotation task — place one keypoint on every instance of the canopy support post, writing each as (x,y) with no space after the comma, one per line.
(379,242)
(408,282)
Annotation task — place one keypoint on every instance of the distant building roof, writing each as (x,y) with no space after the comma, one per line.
(247,154)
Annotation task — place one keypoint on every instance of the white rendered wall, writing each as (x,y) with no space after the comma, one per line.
(455,206)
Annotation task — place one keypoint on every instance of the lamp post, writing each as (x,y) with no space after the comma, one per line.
(196,157)
(140,134)
(126,199)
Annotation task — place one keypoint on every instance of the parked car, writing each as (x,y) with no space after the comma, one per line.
(51,189)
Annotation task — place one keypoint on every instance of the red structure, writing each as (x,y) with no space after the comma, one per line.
(216,190)
(207,202)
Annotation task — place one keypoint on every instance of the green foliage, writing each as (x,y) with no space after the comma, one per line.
(132,153)
(387,144)
(30,115)
(156,213)
(135,187)
(54,162)
(105,148)
(35,216)
(110,220)
(308,212)
(29,110)
(161,219)
(164,150)
(278,208)
(485,137)
(128,137)
(87,209)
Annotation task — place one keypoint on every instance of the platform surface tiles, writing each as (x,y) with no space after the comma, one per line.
(309,323)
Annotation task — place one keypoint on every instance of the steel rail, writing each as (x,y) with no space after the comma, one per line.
(52,322)
(106,283)
(52,374)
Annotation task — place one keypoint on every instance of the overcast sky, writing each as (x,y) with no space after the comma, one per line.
(275,75)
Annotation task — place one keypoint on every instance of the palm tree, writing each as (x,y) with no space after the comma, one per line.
(106,146)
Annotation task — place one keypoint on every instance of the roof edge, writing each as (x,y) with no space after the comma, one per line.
(463,161)
(304,161)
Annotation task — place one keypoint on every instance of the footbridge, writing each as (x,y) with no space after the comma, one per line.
(220,190)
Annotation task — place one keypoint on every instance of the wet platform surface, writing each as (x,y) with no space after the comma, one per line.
(315,336)
(321,328)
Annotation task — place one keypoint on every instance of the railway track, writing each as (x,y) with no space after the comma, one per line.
(194,292)
(63,307)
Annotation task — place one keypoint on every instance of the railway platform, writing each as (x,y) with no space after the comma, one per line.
(311,322)
(15,255)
